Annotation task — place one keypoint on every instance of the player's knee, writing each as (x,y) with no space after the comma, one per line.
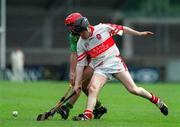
(92,89)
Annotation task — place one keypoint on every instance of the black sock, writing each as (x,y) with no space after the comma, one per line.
(98,104)
(69,106)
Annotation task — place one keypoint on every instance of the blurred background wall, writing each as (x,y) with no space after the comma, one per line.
(37,28)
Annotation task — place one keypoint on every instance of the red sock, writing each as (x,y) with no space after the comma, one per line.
(154,99)
(88,114)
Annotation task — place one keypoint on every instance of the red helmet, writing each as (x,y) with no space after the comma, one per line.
(70,19)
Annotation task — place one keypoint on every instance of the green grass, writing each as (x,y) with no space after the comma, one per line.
(124,109)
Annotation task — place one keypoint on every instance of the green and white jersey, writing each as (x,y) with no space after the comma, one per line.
(73,39)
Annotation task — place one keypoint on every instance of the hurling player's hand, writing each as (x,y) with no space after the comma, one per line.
(146,33)
(77,88)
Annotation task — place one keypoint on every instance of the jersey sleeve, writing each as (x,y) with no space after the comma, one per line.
(115,29)
(73,43)
(82,56)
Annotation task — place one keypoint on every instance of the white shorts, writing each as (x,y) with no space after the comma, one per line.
(111,66)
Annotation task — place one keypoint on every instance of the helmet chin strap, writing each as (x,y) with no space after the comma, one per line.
(89,31)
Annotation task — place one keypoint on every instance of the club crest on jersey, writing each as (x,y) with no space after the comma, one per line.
(98,36)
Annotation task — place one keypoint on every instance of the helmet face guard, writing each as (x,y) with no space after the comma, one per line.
(81,24)
(81,29)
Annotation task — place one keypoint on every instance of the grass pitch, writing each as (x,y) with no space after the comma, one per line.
(124,109)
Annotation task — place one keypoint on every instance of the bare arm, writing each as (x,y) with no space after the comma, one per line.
(131,31)
(79,75)
(73,63)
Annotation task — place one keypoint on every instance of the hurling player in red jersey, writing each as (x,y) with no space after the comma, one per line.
(97,43)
